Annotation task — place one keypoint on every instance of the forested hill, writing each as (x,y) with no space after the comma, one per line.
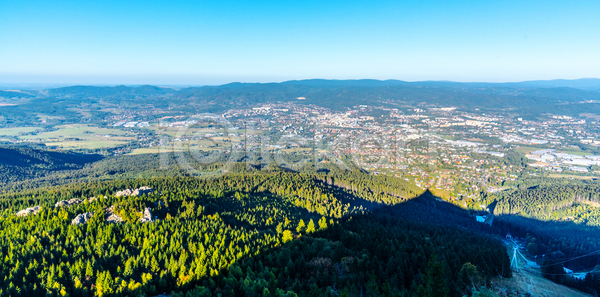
(258,233)
(335,94)
(543,202)
(340,94)
(22,163)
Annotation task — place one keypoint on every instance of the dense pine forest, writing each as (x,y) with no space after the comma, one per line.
(263,230)
(249,233)
(543,202)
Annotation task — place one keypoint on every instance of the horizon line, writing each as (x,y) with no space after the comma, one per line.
(42,84)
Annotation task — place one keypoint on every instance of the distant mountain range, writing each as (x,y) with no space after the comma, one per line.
(583,84)
(530,97)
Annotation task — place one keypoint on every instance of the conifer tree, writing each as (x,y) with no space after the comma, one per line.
(311,227)
(287,236)
(301,226)
(435,279)
(322,223)
(89,271)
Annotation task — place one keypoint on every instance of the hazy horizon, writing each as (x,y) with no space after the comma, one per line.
(37,85)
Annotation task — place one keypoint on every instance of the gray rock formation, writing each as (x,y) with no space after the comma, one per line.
(82,218)
(112,217)
(135,192)
(27,211)
(67,202)
(146,215)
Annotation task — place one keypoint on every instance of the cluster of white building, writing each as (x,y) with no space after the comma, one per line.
(573,162)
(131,124)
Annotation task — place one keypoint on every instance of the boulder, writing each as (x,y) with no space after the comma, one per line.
(146,215)
(134,192)
(67,202)
(112,217)
(143,191)
(27,211)
(126,192)
(82,218)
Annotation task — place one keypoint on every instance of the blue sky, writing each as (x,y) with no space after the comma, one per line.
(213,42)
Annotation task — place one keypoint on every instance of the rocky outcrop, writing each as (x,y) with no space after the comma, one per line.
(112,217)
(134,192)
(27,211)
(82,218)
(67,202)
(146,215)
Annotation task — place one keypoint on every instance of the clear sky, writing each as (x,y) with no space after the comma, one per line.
(213,42)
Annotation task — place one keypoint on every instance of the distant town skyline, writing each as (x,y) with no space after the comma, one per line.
(210,43)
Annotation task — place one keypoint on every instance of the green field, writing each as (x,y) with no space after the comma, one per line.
(78,136)
(86,144)
(77,131)
(145,150)
(575,151)
(573,176)
(16,131)
(154,150)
